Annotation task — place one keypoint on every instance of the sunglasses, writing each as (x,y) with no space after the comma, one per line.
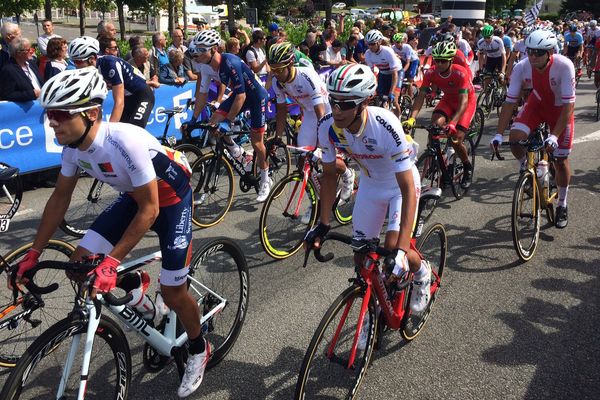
(344,105)
(373,44)
(440,61)
(80,62)
(60,115)
(202,50)
(279,69)
(536,52)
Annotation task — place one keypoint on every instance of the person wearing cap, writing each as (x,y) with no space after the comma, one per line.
(236,31)
(273,30)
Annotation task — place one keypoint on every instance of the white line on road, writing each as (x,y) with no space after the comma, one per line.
(588,138)
(25,211)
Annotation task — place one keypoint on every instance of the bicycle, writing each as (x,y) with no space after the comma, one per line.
(476,128)
(437,169)
(493,96)
(11,194)
(101,368)
(292,208)
(213,180)
(335,364)
(532,194)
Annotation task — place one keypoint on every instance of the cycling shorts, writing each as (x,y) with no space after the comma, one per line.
(308,130)
(411,72)
(373,199)
(255,103)
(493,64)
(138,107)
(384,84)
(572,51)
(534,113)
(173,227)
(449,107)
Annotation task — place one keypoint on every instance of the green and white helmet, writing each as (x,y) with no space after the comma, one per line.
(444,51)
(487,31)
(353,80)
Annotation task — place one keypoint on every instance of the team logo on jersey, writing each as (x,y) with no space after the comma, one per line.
(85,164)
(552,81)
(111,73)
(106,167)
(367,140)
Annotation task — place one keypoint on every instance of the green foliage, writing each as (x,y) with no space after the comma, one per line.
(103,6)
(592,6)
(18,7)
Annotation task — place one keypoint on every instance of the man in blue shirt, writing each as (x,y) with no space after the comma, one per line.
(574,44)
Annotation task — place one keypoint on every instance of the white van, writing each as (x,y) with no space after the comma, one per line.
(359,13)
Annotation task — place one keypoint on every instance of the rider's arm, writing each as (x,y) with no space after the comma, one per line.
(320,110)
(513,94)
(394,82)
(221,93)
(418,103)
(409,206)
(146,197)
(118,93)
(503,70)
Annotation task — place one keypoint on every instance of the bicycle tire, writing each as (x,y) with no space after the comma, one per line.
(331,377)
(499,99)
(342,210)
(90,198)
(280,161)
(525,223)
(433,246)
(110,345)
(282,234)
(191,152)
(213,188)
(457,170)
(406,103)
(431,178)
(483,101)
(476,128)
(22,332)
(211,264)
(11,194)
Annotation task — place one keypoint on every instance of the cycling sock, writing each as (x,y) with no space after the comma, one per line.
(422,272)
(562,196)
(347,174)
(264,175)
(197,345)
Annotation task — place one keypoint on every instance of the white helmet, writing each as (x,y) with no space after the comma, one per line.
(208,38)
(353,80)
(83,47)
(74,90)
(541,39)
(593,23)
(373,36)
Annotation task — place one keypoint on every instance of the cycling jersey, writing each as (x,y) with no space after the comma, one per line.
(385,60)
(593,35)
(407,53)
(464,46)
(308,90)
(521,48)
(492,49)
(573,39)
(117,71)
(508,44)
(126,157)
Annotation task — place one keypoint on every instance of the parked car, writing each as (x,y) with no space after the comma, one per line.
(373,10)
(392,14)
(358,13)
(339,6)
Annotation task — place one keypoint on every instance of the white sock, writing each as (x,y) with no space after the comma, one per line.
(235,150)
(562,196)
(347,174)
(422,272)
(264,175)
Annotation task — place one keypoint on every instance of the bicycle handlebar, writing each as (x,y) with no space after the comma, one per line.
(365,247)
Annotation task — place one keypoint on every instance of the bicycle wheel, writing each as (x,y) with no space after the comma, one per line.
(280,160)
(405,103)
(325,373)
(218,273)
(281,224)
(191,152)
(499,98)
(22,323)
(433,246)
(342,210)
(476,128)
(212,184)
(525,216)
(484,101)
(38,373)
(89,199)
(11,194)
(457,170)
(431,177)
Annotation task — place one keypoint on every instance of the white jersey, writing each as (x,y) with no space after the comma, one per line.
(521,48)
(464,46)
(493,49)
(381,148)
(552,87)
(408,54)
(385,60)
(207,74)
(307,89)
(593,34)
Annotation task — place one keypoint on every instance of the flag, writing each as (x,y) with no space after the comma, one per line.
(533,13)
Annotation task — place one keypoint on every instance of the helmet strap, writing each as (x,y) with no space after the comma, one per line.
(88,126)
(292,73)
(357,116)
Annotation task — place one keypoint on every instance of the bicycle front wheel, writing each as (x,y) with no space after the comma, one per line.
(22,323)
(484,101)
(431,177)
(11,194)
(212,186)
(525,216)
(326,371)
(287,214)
(433,246)
(38,373)
(191,152)
(476,128)
(219,281)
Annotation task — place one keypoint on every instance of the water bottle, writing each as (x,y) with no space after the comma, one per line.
(137,283)
(161,308)
(542,172)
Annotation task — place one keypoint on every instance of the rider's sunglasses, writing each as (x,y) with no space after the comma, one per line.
(59,115)
(536,52)
(441,61)
(278,69)
(80,62)
(344,105)
(202,50)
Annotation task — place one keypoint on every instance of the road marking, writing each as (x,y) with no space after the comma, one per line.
(588,138)
(25,211)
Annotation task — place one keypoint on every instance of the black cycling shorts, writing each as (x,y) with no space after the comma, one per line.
(138,107)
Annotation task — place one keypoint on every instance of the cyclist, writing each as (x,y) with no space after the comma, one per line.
(372,136)
(154,182)
(133,98)
(574,48)
(247,93)
(410,61)
(387,63)
(519,52)
(551,77)
(305,87)
(492,55)
(456,108)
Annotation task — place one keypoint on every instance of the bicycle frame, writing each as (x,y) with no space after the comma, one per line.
(434,147)
(534,146)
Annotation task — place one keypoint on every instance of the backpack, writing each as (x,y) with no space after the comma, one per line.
(245,51)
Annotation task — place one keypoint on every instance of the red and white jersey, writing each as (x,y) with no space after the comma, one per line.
(553,87)
(306,88)
(385,60)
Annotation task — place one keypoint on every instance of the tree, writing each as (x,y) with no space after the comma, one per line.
(48,9)
(17,7)
(592,6)
(103,6)
(82,17)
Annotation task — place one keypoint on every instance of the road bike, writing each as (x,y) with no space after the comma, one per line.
(292,207)
(341,348)
(437,169)
(493,96)
(213,181)
(533,195)
(11,194)
(87,353)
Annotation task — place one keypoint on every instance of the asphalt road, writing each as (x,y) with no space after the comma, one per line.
(499,330)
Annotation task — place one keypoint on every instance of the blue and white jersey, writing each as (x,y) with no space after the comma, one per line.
(117,71)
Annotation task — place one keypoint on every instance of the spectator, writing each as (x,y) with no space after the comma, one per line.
(158,54)
(350,48)
(57,54)
(106,28)
(48,34)
(333,54)
(21,80)
(361,46)
(426,34)
(134,41)
(273,31)
(202,25)
(108,46)
(237,32)
(190,66)
(9,32)
(141,60)
(173,73)
(177,37)
(233,46)
(256,57)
